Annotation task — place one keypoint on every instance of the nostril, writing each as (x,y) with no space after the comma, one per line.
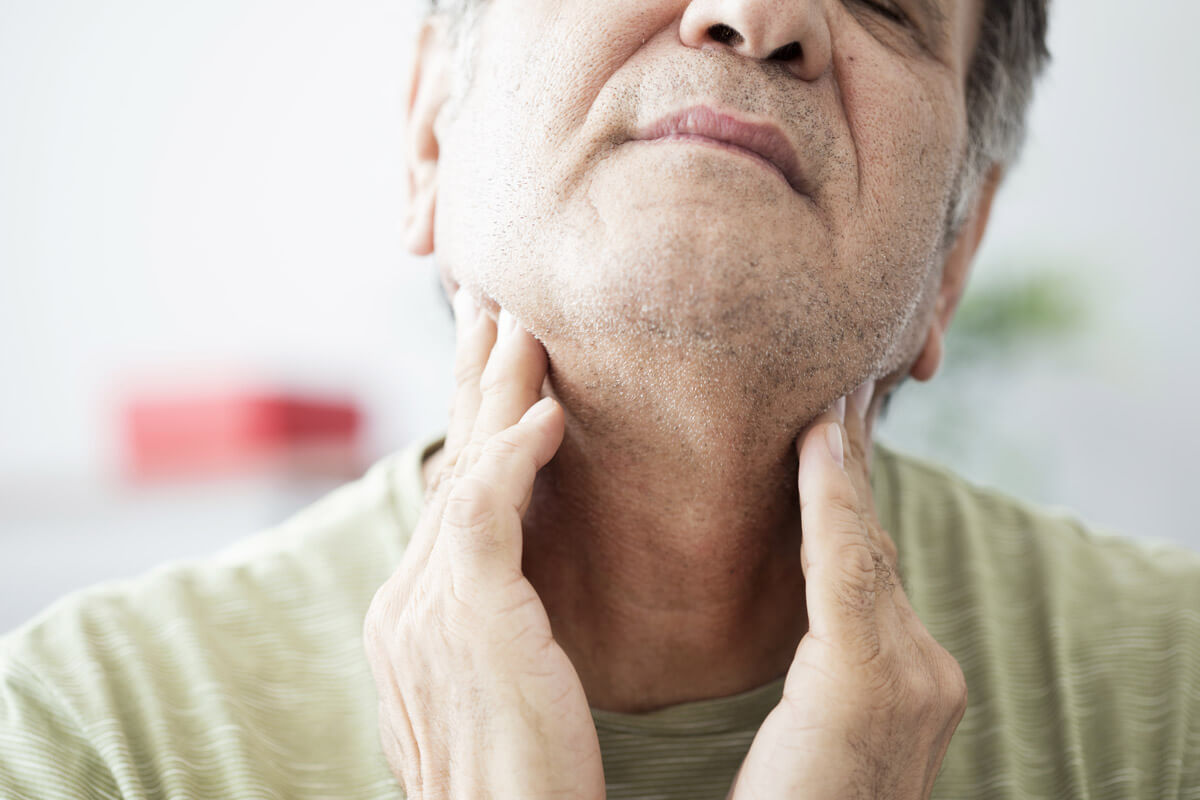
(723,34)
(788,52)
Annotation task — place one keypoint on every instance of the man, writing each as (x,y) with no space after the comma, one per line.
(692,246)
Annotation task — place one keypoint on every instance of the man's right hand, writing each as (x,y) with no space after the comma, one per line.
(476,699)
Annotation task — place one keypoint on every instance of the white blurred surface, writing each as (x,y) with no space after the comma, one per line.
(220,183)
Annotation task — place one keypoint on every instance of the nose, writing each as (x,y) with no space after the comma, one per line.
(792,32)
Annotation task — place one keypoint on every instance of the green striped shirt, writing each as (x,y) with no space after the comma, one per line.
(244,676)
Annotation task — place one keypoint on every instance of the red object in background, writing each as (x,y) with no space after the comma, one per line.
(232,432)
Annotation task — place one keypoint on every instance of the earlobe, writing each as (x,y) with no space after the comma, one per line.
(954,277)
(427,95)
(930,360)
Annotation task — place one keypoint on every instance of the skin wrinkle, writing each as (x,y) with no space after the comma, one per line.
(697,313)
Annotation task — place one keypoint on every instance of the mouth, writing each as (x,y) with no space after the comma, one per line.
(705,126)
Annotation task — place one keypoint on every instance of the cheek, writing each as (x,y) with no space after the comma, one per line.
(907,130)
(541,64)
(513,149)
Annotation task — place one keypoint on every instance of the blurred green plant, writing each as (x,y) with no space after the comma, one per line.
(1006,318)
(1005,327)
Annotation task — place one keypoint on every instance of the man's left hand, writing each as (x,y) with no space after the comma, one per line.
(871,699)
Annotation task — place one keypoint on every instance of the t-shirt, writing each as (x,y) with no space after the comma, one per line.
(244,675)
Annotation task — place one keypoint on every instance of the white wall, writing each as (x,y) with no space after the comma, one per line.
(214,183)
(1109,186)
(219,183)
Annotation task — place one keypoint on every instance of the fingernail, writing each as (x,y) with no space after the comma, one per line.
(506,324)
(833,437)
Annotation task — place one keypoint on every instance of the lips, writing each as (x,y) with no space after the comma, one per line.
(707,125)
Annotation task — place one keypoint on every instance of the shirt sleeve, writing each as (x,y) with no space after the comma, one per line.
(44,753)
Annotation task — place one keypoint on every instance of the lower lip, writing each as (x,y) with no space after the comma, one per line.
(717,144)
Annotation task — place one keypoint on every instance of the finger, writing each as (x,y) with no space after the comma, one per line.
(547,416)
(481,520)
(476,336)
(424,535)
(841,566)
(835,413)
(858,463)
(858,431)
(510,384)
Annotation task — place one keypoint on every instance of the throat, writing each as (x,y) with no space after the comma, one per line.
(670,569)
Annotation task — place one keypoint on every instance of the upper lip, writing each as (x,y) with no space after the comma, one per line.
(764,139)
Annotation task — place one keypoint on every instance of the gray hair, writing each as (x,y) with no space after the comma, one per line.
(1010,55)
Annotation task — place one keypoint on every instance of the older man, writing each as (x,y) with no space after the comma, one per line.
(692,247)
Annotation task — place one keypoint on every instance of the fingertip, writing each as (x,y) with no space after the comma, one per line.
(545,413)
(540,410)
(466,308)
(506,323)
(547,416)
(834,413)
(821,445)
(459,303)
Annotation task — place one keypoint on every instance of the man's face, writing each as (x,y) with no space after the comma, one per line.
(552,200)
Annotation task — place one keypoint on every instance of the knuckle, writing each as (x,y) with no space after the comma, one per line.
(839,499)
(953,682)
(470,505)
(435,483)
(856,565)
(467,372)
(512,447)
(467,456)
(495,380)
(380,618)
(923,687)
(844,516)
(869,647)
(937,686)
(843,498)
(504,445)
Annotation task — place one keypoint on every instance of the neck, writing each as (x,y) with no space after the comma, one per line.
(664,537)
(664,541)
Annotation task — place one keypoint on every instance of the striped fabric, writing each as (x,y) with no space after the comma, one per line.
(243,676)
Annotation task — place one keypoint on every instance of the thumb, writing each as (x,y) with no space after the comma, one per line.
(837,555)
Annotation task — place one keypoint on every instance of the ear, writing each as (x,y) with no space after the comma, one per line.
(954,276)
(428,91)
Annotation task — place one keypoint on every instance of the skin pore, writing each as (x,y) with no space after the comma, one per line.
(696,310)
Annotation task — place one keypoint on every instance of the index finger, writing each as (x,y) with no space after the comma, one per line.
(475,335)
(510,384)
(858,463)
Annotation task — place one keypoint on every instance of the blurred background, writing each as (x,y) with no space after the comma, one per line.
(207,319)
